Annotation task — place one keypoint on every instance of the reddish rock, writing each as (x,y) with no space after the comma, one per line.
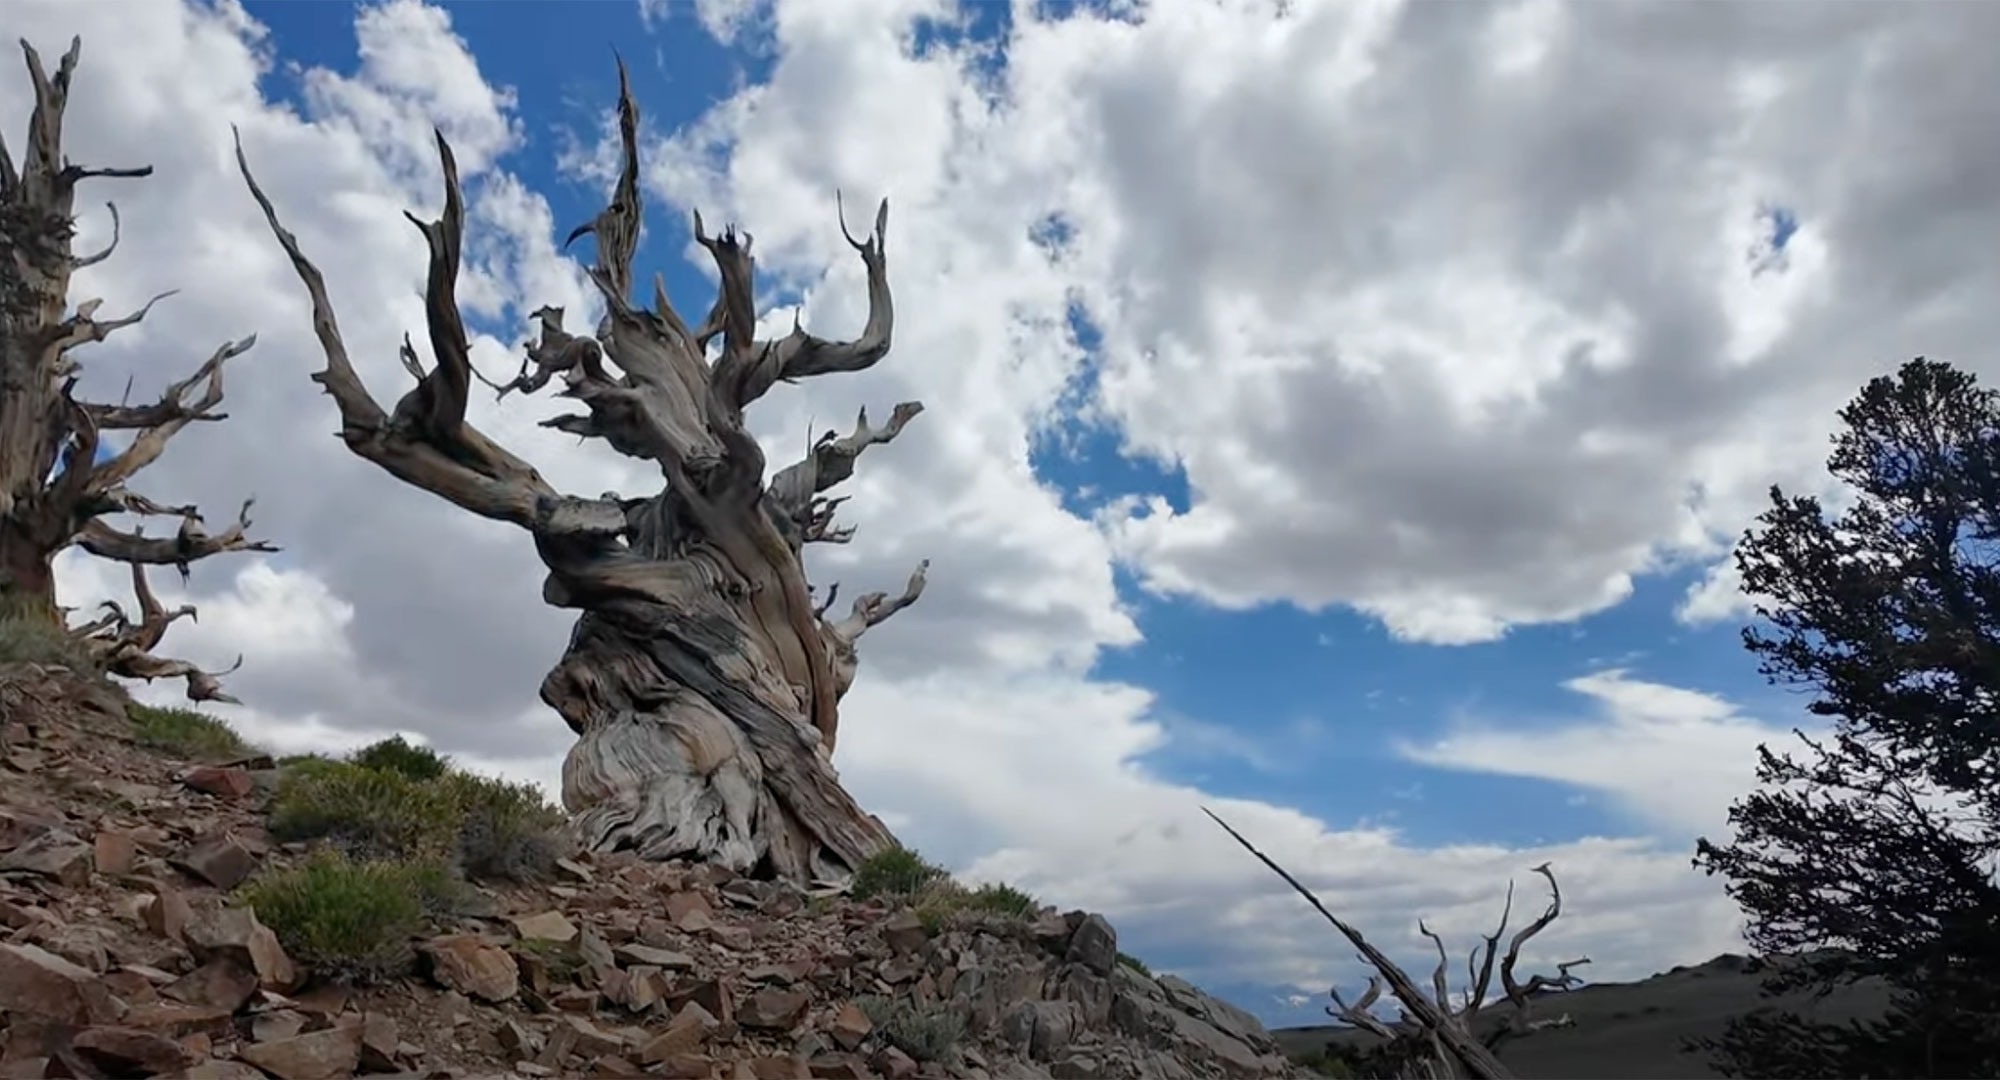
(774,1010)
(379,1043)
(711,995)
(544,926)
(276,1025)
(37,983)
(779,1068)
(689,911)
(221,1070)
(685,1067)
(125,1051)
(167,914)
(322,1055)
(53,854)
(591,1040)
(113,852)
(235,932)
(893,1063)
(474,967)
(850,1026)
(223,983)
(838,1067)
(131,987)
(225,783)
(653,957)
(905,932)
(683,1034)
(221,860)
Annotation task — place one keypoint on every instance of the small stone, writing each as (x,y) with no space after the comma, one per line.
(593,1041)
(683,1034)
(779,1068)
(236,933)
(53,854)
(686,1067)
(576,870)
(904,931)
(893,1063)
(125,1051)
(322,1055)
(473,967)
(224,983)
(130,987)
(529,1068)
(167,914)
(37,983)
(734,938)
(1094,945)
(221,860)
(773,1010)
(711,995)
(850,1026)
(225,783)
(612,1066)
(545,926)
(379,1043)
(650,956)
(838,1067)
(517,1040)
(221,1070)
(113,852)
(689,911)
(276,1026)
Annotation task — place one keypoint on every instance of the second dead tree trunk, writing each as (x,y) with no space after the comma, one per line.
(55,485)
(702,679)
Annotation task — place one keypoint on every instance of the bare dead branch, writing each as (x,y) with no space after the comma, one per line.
(1517,993)
(1476,1059)
(188,545)
(81,261)
(164,419)
(81,329)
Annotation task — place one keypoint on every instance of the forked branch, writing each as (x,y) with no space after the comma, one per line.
(1428,1020)
(125,648)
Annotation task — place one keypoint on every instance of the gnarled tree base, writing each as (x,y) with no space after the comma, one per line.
(660,769)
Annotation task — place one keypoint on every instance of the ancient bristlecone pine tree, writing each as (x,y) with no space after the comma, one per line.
(702,680)
(55,484)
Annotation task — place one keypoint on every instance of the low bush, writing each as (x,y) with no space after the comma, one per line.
(398,755)
(186,733)
(367,813)
(349,920)
(507,831)
(26,639)
(895,871)
(1135,964)
(925,1032)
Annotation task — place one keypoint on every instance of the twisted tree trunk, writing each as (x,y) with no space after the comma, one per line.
(54,487)
(701,679)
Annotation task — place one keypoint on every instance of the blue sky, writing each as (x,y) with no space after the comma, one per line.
(1451,365)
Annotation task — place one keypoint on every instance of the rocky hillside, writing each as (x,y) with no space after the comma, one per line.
(157,924)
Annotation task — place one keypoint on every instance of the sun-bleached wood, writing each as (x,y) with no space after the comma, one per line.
(55,486)
(701,679)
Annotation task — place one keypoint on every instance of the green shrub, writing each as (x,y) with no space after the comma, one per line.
(896,871)
(1000,899)
(926,1033)
(1326,1063)
(408,759)
(348,920)
(29,639)
(507,831)
(186,733)
(1135,964)
(365,812)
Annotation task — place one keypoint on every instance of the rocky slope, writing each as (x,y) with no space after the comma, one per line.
(122,955)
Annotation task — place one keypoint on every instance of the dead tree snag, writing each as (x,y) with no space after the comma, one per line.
(55,485)
(1434,1036)
(701,679)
